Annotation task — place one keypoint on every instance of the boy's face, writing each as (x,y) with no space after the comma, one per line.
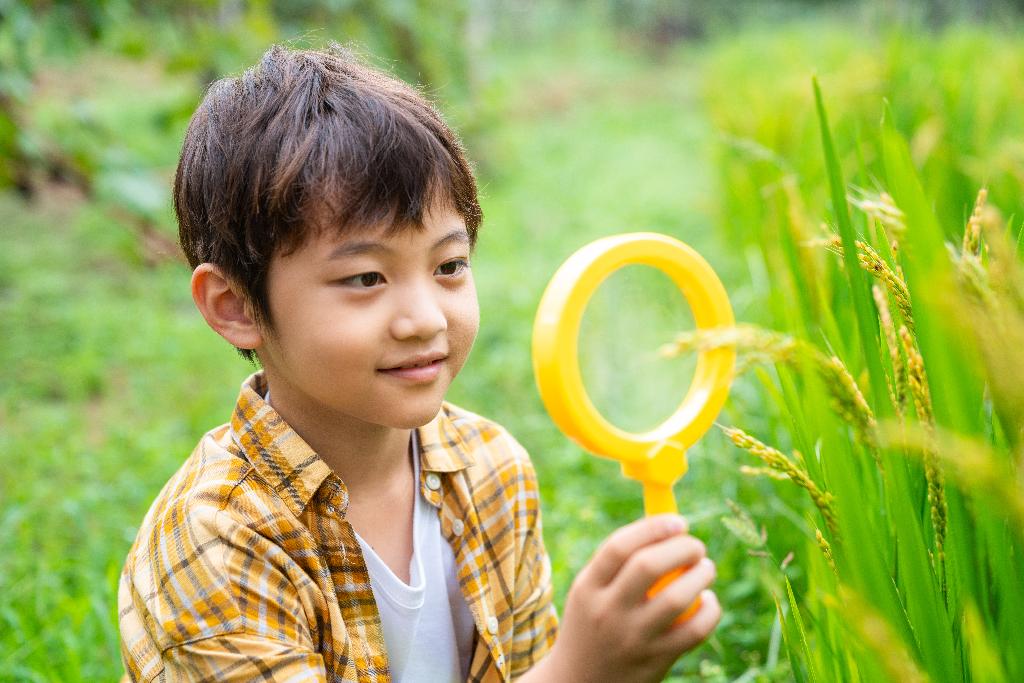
(371,329)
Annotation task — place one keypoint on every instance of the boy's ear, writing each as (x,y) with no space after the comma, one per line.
(224,307)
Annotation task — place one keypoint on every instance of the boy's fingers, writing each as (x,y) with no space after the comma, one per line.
(650,563)
(613,553)
(675,598)
(687,635)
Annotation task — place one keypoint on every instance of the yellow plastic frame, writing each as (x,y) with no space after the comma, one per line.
(656,458)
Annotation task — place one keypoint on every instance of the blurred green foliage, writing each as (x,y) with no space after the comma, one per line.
(585,119)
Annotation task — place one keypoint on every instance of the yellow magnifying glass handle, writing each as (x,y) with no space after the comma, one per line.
(657,458)
(658,499)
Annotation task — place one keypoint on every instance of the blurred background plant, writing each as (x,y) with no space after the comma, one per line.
(898,553)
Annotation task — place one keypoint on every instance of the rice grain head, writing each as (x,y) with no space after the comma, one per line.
(973,465)
(777,461)
(755,345)
(918,382)
(826,550)
(897,389)
(873,263)
(972,234)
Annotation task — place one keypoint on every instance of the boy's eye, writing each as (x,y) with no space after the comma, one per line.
(364,280)
(453,267)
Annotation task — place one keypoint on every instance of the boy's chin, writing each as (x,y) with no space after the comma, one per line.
(414,418)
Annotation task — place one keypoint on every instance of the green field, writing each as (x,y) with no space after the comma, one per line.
(111,376)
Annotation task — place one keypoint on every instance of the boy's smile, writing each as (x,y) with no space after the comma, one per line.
(421,368)
(370,329)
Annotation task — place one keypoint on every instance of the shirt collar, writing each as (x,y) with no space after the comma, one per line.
(274,449)
(292,467)
(442,448)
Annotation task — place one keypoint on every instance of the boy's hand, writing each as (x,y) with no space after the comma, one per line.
(611,630)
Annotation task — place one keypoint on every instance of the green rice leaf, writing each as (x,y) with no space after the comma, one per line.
(866,323)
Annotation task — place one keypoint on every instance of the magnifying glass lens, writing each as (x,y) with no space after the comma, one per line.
(633,313)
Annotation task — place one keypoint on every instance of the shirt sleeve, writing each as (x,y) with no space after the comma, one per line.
(227,604)
(535,621)
(242,657)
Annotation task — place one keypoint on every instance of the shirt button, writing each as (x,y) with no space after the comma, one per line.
(492,625)
(433,482)
(501,661)
(458,527)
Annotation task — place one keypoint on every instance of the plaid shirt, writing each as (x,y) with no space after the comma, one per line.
(245,567)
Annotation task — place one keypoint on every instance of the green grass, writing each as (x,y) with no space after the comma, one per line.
(111,375)
(114,376)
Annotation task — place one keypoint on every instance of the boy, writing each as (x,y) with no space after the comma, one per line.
(347,524)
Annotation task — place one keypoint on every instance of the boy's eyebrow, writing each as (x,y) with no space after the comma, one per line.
(458,235)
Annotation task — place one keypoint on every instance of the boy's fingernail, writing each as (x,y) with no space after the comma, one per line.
(675,525)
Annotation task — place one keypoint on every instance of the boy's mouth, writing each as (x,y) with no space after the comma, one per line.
(421,368)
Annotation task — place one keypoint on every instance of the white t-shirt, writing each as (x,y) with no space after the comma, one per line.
(428,628)
(428,633)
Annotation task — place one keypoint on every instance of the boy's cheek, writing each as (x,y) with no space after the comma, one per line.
(473,325)
(465,315)
(465,345)
(461,337)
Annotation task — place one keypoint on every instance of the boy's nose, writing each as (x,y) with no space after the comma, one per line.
(419,315)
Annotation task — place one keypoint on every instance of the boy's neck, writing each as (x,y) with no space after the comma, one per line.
(365,456)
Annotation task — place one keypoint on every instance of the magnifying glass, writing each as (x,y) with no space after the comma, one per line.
(656,458)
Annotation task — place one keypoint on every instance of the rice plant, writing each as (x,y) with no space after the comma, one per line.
(903,380)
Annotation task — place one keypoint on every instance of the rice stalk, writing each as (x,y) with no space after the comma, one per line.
(988,273)
(916,378)
(763,472)
(918,383)
(877,635)
(897,388)
(826,550)
(743,527)
(786,467)
(1003,263)
(759,346)
(973,466)
(880,207)
(872,262)
(972,234)
(847,400)
(974,280)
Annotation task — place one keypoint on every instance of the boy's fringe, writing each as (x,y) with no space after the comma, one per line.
(784,466)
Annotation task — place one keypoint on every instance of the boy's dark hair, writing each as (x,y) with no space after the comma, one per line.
(304,141)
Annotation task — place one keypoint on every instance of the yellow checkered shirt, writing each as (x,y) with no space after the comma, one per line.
(245,567)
